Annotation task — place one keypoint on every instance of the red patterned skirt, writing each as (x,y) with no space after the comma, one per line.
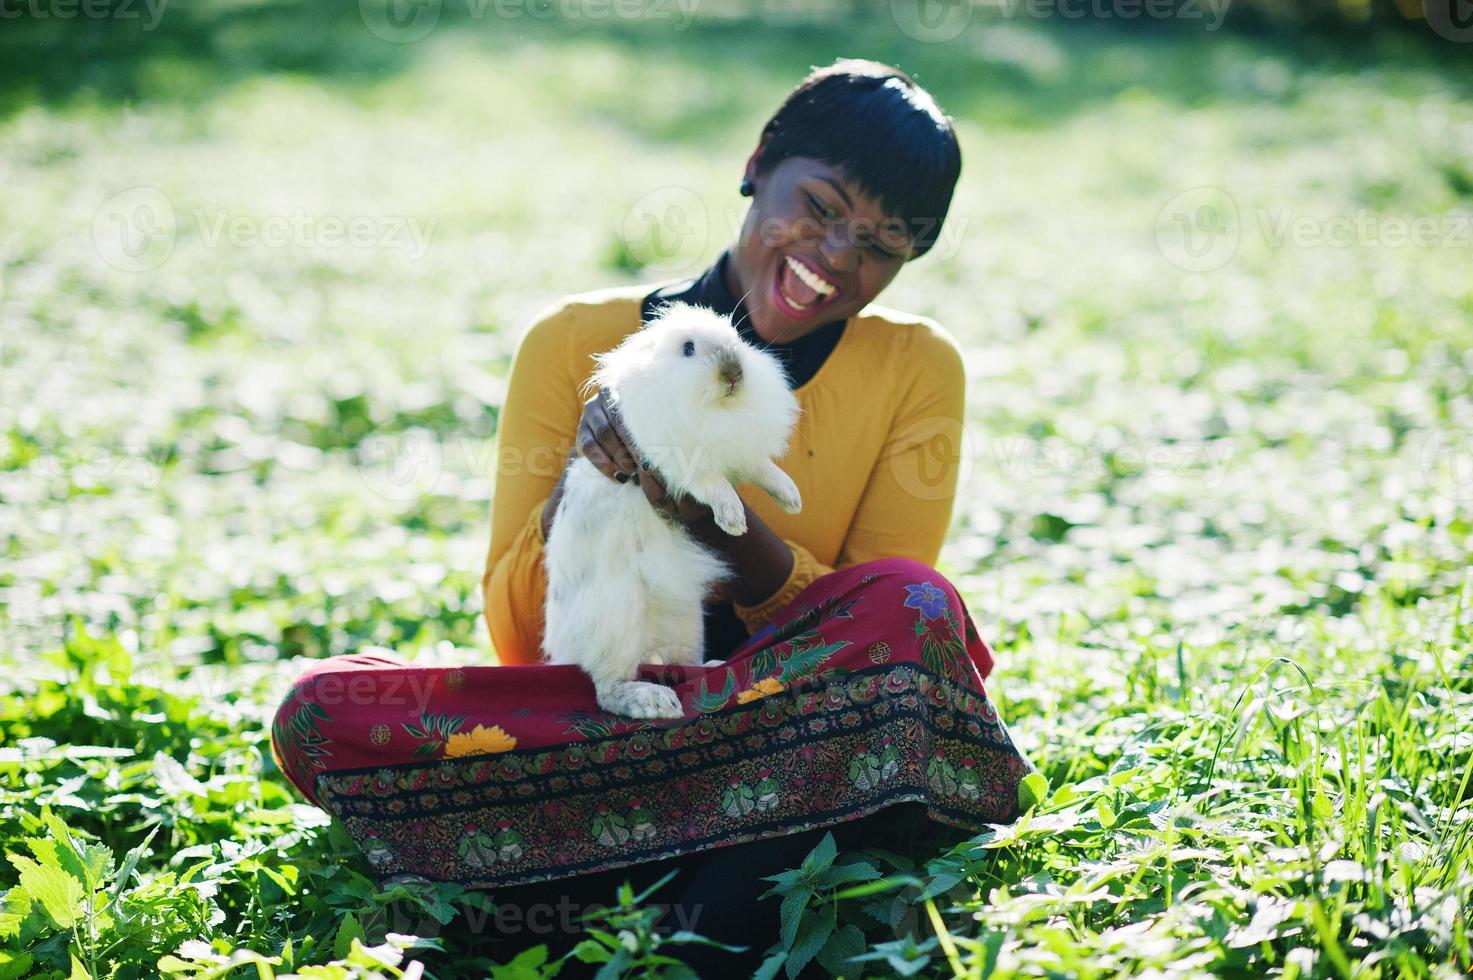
(865,691)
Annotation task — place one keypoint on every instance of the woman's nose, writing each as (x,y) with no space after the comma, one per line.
(838,249)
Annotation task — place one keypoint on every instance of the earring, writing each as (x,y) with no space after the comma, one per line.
(745,188)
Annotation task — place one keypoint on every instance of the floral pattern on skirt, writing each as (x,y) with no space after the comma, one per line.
(865,691)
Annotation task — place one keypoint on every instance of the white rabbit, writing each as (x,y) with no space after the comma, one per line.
(705,410)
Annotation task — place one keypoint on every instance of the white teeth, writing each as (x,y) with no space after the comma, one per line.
(812,281)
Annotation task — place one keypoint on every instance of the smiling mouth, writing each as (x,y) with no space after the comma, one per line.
(800,289)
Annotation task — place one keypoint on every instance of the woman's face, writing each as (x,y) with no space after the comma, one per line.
(812,250)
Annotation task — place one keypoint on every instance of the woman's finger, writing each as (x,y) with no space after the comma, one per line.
(622,450)
(594,452)
(596,418)
(654,491)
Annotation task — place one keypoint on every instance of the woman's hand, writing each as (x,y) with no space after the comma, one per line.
(604,442)
(761,561)
(687,510)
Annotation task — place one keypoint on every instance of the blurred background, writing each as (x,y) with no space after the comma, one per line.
(263,266)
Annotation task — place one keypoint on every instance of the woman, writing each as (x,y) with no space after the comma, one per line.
(843,683)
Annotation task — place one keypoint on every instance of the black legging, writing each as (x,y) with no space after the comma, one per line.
(715,894)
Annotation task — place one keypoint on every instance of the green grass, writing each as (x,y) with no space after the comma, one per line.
(1215,521)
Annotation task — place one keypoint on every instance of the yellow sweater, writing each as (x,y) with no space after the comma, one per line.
(876,453)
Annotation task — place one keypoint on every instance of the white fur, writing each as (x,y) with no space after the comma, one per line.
(625,586)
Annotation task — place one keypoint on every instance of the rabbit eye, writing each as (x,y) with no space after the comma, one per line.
(690,348)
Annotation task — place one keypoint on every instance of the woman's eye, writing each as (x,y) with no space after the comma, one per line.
(689,348)
(819,209)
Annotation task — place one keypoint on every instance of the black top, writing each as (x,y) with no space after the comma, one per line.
(800,358)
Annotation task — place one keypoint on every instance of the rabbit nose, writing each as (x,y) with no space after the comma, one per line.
(730,368)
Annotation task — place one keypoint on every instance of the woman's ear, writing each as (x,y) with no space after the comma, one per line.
(750,174)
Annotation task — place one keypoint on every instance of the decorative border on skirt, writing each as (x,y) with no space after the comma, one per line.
(834,749)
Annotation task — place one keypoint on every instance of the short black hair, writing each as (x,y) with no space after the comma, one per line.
(883,130)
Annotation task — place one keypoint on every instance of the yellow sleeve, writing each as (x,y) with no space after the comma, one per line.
(905,510)
(535,431)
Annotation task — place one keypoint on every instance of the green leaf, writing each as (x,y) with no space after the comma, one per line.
(615,967)
(15,911)
(785,882)
(88,863)
(813,932)
(822,855)
(174,779)
(348,930)
(842,873)
(130,863)
(13,965)
(770,966)
(589,951)
(1032,791)
(791,913)
(942,881)
(879,885)
(59,894)
(835,954)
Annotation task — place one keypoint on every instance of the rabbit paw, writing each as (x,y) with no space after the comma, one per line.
(730,516)
(640,699)
(780,487)
(788,499)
